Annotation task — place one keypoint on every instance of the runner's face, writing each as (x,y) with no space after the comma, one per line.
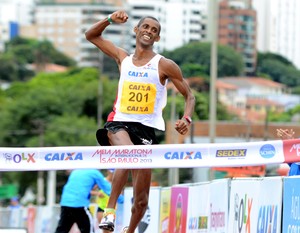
(148,32)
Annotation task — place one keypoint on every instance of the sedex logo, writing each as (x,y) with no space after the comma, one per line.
(231,153)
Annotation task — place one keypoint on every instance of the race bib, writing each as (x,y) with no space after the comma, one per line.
(138,98)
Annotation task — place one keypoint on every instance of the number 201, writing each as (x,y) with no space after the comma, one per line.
(138,97)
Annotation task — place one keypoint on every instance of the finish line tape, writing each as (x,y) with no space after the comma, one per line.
(150,156)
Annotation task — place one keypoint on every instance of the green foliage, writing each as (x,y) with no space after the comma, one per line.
(192,70)
(272,56)
(8,68)
(280,117)
(20,52)
(52,110)
(286,116)
(67,130)
(201,108)
(230,62)
(32,106)
(296,90)
(279,69)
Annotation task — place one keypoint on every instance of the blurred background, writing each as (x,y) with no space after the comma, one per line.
(241,58)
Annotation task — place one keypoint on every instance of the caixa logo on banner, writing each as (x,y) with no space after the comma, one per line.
(63,156)
(267,219)
(183,155)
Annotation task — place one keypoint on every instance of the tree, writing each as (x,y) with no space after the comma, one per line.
(50,110)
(278,69)
(19,52)
(201,108)
(42,99)
(230,62)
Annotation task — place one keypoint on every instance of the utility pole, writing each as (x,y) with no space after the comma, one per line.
(40,176)
(173,175)
(213,71)
(51,175)
(202,174)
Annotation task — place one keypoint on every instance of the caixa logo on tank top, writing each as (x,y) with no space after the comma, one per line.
(138,74)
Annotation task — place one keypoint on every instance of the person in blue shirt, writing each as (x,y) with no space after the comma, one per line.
(75,199)
(285,134)
(14,203)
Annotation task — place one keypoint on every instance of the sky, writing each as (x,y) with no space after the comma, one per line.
(9,9)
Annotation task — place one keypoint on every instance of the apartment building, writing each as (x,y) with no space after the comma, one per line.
(112,2)
(278,28)
(182,21)
(237,28)
(252,97)
(65,24)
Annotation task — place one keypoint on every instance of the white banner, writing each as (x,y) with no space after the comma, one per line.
(198,208)
(150,220)
(154,156)
(255,205)
(244,202)
(219,206)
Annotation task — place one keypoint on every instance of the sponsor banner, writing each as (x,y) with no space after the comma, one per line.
(178,210)
(219,205)
(165,198)
(244,202)
(291,149)
(198,208)
(268,217)
(150,220)
(252,208)
(240,154)
(119,219)
(153,156)
(43,223)
(291,205)
(12,230)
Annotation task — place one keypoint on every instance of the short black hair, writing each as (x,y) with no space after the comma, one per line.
(149,17)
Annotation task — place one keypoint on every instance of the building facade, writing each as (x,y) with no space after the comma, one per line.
(237,29)
(182,21)
(278,28)
(65,25)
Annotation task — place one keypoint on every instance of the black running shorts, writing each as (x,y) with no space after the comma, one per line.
(139,133)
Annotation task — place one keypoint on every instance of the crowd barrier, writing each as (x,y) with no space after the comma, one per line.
(239,205)
(151,156)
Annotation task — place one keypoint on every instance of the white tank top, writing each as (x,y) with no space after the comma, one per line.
(141,97)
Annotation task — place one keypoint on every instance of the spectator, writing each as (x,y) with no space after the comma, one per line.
(75,200)
(14,203)
(101,196)
(285,134)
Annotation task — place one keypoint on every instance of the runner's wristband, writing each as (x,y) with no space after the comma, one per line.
(187,119)
(109,19)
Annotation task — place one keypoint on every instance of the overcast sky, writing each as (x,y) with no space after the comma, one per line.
(11,10)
